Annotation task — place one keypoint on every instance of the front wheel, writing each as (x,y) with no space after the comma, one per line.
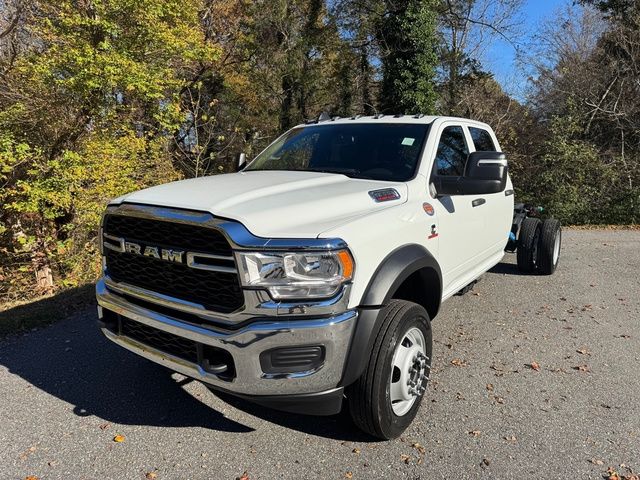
(385,399)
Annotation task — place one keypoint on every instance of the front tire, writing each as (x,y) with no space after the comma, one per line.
(385,399)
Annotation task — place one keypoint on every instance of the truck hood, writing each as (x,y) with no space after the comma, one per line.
(274,204)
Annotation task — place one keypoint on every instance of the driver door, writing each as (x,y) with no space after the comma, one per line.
(460,226)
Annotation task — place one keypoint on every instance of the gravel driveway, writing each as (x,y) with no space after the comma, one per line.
(534,377)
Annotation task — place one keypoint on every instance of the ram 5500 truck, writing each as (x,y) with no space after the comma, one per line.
(310,277)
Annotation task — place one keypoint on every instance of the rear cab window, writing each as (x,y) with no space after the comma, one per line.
(482,140)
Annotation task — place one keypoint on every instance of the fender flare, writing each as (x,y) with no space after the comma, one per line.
(390,274)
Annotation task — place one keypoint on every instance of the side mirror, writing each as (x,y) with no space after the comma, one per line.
(485,172)
(242,161)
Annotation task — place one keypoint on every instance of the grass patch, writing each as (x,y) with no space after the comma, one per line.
(22,317)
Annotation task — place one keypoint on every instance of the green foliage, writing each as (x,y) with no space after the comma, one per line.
(86,114)
(408,36)
(574,183)
(571,175)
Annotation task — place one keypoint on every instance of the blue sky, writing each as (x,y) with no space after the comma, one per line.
(501,57)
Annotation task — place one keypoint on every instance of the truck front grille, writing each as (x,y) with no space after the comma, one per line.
(183,235)
(214,290)
(165,342)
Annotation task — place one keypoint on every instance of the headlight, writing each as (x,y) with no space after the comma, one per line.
(296,275)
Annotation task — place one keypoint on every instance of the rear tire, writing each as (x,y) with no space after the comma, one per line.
(549,246)
(527,252)
(404,339)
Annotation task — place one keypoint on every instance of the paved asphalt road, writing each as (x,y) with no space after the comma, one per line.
(65,392)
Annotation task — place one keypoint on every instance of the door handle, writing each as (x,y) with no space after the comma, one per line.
(478,201)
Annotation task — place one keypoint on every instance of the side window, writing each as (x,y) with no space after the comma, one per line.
(452,152)
(482,140)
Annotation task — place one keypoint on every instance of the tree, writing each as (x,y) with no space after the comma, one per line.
(616,8)
(465,28)
(85,109)
(586,92)
(407,38)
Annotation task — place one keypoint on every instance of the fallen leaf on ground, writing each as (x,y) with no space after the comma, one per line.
(244,476)
(28,452)
(356,450)
(405,458)
(582,368)
(118,438)
(613,475)
(490,387)
(151,475)
(583,351)
(104,426)
(458,362)
(485,462)
(474,433)
(596,462)
(348,475)
(535,366)
(512,438)
(31,477)
(419,447)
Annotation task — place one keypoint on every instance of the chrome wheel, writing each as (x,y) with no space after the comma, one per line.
(410,371)
(556,247)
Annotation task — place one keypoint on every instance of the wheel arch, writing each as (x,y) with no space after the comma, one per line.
(406,272)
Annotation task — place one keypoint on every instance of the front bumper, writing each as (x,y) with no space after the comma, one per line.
(244,345)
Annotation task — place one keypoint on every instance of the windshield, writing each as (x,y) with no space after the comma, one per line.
(385,151)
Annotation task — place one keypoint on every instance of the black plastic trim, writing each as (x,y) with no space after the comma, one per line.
(478,201)
(394,270)
(325,403)
(300,358)
(361,343)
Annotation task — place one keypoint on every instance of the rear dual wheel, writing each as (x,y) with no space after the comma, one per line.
(539,245)
(386,397)
(549,247)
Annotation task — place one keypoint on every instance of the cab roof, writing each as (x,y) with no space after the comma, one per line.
(399,118)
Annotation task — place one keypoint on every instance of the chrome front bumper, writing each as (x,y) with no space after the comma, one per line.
(244,345)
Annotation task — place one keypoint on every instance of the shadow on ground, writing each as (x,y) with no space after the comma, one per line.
(72,361)
(504,268)
(45,311)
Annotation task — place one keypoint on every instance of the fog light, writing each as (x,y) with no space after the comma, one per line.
(292,359)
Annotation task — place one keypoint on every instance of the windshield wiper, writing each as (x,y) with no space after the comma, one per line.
(339,171)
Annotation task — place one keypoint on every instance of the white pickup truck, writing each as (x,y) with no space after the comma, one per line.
(311,276)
